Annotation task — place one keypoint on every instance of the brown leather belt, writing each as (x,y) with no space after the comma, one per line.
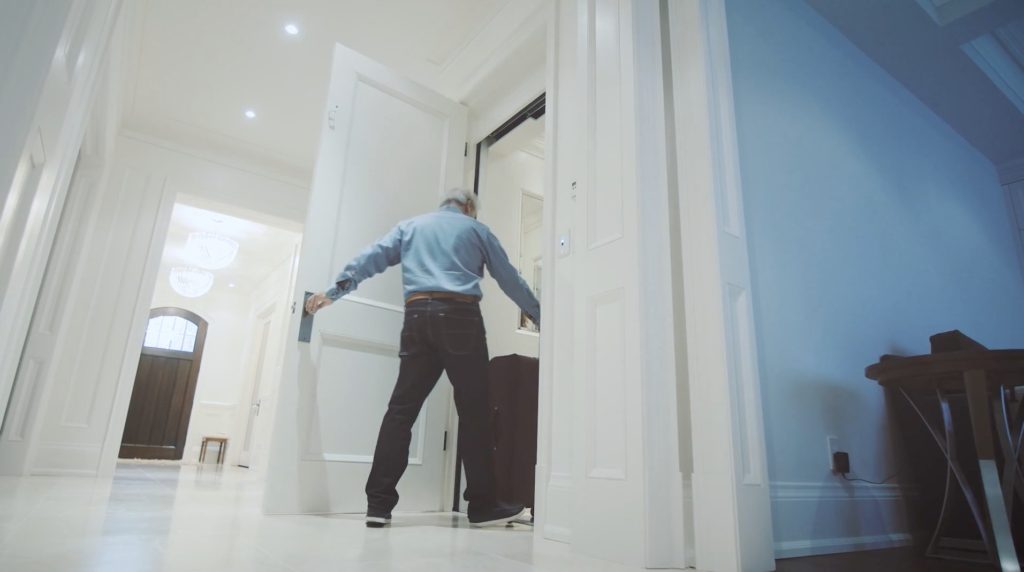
(442,296)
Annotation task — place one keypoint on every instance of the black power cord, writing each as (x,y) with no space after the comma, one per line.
(887,479)
(841,466)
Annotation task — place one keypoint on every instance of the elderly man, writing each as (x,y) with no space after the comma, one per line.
(443,255)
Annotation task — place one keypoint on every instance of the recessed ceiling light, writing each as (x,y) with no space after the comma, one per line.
(232,285)
(250,114)
(292,29)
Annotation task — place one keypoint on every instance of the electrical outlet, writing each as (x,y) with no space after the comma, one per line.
(832,442)
(841,463)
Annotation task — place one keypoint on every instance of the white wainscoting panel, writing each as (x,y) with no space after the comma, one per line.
(606,387)
(113,252)
(558,512)
(605,125)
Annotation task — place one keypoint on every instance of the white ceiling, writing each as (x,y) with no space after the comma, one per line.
(261,248)
(195,66)
(925,45)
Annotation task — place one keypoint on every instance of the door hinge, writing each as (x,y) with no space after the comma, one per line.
(465,150)
(331,116)
(445,446)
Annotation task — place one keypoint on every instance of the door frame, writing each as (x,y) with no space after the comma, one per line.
(535,109)
(193,376)
(264,321)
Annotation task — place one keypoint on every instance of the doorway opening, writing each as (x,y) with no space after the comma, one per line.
(222,292)
(509,177)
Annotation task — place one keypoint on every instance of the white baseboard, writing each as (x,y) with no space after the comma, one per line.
(818,546)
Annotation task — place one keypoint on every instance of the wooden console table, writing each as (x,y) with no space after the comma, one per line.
(986,377)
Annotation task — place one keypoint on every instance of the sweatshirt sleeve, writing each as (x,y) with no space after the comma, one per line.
(375,259)
(508,277)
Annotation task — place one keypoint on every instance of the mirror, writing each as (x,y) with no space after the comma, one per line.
(531,225)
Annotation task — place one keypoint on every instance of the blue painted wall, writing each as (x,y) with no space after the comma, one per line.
(871,225)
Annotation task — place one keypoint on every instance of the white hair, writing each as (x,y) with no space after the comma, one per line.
(461,196)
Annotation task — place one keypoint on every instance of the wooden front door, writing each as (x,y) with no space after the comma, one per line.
(165,385)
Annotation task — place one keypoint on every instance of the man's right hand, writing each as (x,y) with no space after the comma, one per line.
(317,301)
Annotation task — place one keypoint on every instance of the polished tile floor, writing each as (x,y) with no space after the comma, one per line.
(206,518)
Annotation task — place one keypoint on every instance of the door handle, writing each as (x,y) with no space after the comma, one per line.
(306,323)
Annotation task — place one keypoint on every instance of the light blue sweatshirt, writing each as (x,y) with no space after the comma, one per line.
(442,251)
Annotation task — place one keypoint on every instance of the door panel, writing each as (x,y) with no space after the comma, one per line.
(388,150)
(155,428)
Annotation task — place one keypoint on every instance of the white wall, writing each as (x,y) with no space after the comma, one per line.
(117,250)
(225,375)
(872,225)
(507,176)
(104,304)
(245,191)
(222,371)
(269,303)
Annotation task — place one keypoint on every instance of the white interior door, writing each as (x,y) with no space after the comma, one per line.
(255,402)
(388,150)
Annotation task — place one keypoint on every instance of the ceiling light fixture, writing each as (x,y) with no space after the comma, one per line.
(210,251)
(250,114)
(292,29)
(191,282)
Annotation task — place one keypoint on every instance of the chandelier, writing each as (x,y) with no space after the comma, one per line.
(210,251)
(191,282)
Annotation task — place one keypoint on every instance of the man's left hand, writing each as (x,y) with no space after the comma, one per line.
(317,301)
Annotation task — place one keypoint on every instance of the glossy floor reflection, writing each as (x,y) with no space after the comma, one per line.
(165,517)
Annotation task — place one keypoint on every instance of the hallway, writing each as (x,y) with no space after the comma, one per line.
(191,518)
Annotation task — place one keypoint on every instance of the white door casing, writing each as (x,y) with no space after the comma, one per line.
(668,523)
(731,503)
(389,148)
(553,480)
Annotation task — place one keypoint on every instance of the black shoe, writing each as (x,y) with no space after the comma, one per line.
(501,514)
(377,519)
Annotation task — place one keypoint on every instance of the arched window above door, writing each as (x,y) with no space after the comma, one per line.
(170,332)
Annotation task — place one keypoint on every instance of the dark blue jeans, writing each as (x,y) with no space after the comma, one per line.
(438,335)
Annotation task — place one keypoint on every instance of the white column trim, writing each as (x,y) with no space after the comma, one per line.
(730,483)
(664,537)
(140,317)
(543,478)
